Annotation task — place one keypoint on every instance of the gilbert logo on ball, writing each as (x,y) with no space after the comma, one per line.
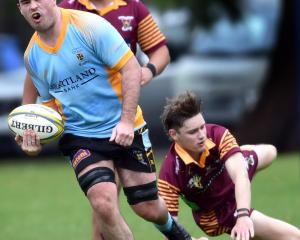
(45,121)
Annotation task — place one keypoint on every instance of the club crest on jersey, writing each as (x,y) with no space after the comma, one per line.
(195,182)
(80,56)
(126,23)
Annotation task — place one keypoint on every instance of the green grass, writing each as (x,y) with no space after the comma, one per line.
(41,200)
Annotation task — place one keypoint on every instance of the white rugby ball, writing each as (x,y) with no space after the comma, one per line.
(45,121)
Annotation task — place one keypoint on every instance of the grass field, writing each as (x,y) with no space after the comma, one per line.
(41,201)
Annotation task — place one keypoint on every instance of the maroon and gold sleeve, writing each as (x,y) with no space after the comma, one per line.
(150,37)
(228,145)
(170,194)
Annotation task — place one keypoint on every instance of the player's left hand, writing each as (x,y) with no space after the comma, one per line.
(30,142)
(123,134)
(146,76)
(243,229)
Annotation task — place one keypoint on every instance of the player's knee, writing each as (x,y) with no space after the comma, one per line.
(150,211)
(94,176)
(104,207)
(104,202)
(266,154)
(270,153)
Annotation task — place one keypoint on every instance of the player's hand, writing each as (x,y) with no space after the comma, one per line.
(243,229)
(123,134)
(29,143)
(146,76)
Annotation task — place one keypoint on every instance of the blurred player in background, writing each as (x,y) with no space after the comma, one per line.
(91,77)
(211,173)
(134,22)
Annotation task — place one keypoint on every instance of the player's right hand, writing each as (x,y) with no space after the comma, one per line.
(29,143)
(243,229)
(122,134)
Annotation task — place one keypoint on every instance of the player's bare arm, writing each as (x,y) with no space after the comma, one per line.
(123,133)
(159,60)
(236,168)
(29,91)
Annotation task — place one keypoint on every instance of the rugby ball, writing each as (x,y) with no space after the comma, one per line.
(45,121)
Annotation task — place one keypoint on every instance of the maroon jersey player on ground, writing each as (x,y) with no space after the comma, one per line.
(208,169)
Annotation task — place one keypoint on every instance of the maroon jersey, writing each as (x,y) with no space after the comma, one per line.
(131,18)
(205,184)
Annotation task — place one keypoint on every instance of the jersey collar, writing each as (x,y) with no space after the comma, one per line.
(61,37)
(186,157)
(115,5)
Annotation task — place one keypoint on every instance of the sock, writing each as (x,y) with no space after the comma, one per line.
(167,226)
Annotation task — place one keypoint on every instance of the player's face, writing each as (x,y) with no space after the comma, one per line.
(192,135)
(39,14)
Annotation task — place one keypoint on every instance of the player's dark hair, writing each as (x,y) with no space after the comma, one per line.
(179,109)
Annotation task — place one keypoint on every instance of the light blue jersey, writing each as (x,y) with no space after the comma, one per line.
(81,73)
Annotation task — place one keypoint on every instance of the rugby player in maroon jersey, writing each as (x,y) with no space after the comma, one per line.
(208,169)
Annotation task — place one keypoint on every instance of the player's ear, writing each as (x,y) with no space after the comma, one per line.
(173,134)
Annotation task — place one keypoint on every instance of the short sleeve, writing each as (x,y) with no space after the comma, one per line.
(109,45)
(150,37)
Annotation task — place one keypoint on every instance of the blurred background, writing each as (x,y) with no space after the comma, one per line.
(240,56)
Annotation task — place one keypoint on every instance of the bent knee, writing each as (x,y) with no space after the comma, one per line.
(150,210)
(266,153)
(103,196)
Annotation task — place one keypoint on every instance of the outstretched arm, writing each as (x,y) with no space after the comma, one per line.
(237,170)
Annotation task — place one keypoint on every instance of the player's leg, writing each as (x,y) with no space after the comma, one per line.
(266,154)
(142,195)
(96,181)
(96,226)
(268,228)
(136,170)
(95,175)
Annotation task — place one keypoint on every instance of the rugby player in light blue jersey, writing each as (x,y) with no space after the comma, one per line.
(82,67)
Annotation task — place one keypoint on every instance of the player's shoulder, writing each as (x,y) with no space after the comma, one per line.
(215,131)
(136,3)
(83,18)
(170,156)
(30,44)
(69,3)
(213,128)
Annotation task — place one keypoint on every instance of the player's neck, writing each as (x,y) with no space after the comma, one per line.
(51,35)
(195,155)
(100,4)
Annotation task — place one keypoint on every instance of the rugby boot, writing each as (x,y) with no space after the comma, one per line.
(177,232)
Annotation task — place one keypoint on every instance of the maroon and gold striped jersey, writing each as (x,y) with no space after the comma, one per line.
(203,184)
(131,18)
